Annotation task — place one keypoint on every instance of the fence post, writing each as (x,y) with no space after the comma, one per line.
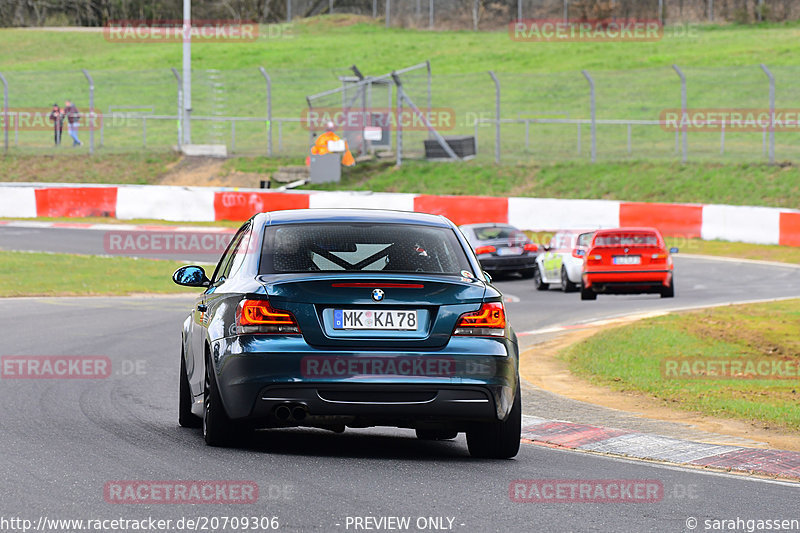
(374,9)
(430,95)
(496,117)
(91,109)
(288,10)
(661,12)
(685,155)
(399,128)
(629,138)
(711,10)
(180,107)
(527,134)
(430,14)
(269,109)
(594,114)
(771,113)
(330,7)
(519,9)
(388,13)
(566,10)
(5,113)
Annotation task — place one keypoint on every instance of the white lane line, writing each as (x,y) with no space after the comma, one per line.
(737,260)
(155,227)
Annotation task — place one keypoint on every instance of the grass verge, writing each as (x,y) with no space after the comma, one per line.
(124,169)
(43,274)
(306,44)
(633,358)
(636,181)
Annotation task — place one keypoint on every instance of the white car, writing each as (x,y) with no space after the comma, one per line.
(561,262)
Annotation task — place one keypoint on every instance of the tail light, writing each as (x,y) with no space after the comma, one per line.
(488,321)
(658,257)
(594,258)
(578,253)
(480,250)
(258,316)
(531,247)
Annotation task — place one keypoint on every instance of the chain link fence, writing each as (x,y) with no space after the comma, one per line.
(543,116)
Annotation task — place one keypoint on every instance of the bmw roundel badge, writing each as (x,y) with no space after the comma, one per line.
(377,295)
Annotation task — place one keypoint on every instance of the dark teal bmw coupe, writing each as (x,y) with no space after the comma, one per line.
(350,318)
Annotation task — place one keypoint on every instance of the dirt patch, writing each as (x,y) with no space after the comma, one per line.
(208,172)
(540,366)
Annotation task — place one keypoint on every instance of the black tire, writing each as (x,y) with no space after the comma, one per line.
(527,273)
(668,291)
(498,440)
(537,280)
(588,294)
(185,417)
(436,434)
(566,284)
(218,429)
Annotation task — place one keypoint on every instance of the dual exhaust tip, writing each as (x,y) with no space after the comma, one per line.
(286,412)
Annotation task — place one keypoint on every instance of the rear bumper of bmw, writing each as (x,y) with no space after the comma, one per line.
(627,281)
(508,263)
(468,380)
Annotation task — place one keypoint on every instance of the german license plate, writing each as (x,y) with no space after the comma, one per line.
(511,250)
(627,259)
(371,319)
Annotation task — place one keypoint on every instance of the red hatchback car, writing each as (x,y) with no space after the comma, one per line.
(628,261)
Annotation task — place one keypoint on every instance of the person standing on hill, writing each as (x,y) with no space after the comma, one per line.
(57,118)
(73,117)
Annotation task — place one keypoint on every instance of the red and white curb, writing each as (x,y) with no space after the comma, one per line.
(760,225)
(630,444)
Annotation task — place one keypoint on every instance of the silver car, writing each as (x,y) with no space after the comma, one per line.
(502,248)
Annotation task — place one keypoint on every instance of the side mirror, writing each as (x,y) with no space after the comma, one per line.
(191,276)
(673,250)
(487,276)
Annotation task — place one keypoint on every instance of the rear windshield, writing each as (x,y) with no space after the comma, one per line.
(343,247)
(488,233)
(627,239)
(584,239)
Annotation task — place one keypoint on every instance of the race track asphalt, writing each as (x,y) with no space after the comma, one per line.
(62,441)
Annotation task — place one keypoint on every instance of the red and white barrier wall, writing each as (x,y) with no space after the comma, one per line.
(761,225)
